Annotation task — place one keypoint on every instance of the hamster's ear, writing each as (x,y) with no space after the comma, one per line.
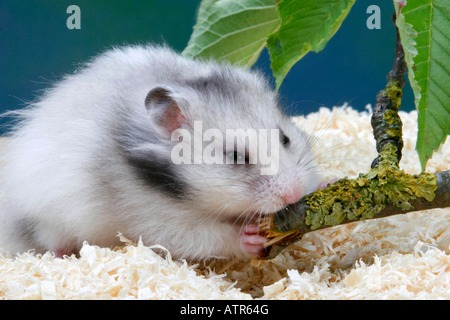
(164,111)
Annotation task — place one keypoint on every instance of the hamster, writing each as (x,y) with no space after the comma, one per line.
(99,153)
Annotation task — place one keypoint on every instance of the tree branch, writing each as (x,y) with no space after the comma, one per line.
(384,191)
(289,225)
(386,123)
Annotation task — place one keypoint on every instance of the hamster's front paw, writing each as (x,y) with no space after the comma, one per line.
(251,241)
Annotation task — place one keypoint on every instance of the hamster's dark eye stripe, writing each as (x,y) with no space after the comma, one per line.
(156,173)
(150,167)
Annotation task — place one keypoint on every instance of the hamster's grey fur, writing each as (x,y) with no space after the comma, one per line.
(91,158)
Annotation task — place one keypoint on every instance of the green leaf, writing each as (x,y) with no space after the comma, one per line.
(425,34)
(233,30)
(305,25)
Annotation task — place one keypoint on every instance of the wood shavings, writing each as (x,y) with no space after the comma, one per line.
(136,272)
(400,257)
(418,275)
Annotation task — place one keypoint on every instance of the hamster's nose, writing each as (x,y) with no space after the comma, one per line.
(292,195)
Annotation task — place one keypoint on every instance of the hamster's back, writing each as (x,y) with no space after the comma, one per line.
(63,150)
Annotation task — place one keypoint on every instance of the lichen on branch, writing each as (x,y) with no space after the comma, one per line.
(384,190)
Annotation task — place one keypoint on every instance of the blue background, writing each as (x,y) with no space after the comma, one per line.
(37,48)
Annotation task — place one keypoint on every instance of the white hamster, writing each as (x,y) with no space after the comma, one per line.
(94,156)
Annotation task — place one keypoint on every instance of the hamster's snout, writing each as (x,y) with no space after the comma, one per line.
(292,194)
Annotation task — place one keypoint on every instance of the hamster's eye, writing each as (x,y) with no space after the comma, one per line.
(237,157)
(285,140)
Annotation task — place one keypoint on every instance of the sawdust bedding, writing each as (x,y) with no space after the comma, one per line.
(400,257)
